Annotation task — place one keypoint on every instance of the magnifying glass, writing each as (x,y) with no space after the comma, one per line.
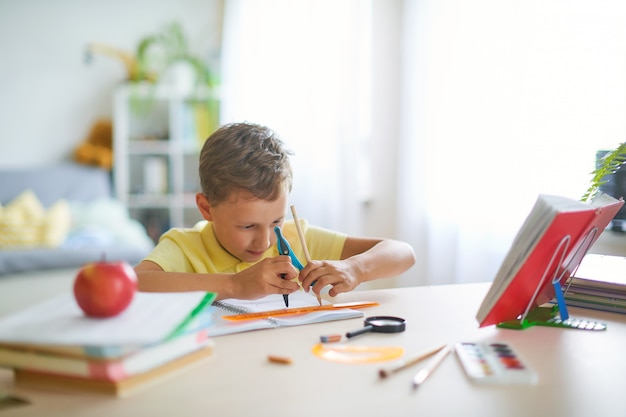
(380,324)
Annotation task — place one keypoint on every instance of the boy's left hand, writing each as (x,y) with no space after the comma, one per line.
(339,274)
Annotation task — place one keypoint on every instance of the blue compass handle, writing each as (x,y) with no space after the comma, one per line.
(285,249)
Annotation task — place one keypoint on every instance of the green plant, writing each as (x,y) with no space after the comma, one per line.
(608,165)
(156,53)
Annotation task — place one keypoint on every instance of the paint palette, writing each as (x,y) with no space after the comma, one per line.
(494,363)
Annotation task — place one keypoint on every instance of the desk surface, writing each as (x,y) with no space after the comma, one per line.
(580,373)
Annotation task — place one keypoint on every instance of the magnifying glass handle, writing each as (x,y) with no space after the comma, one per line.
(360,331)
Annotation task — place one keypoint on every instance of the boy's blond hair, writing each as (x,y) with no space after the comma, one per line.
(244,156)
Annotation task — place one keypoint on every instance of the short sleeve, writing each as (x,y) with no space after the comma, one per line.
(170,256)
(324,244)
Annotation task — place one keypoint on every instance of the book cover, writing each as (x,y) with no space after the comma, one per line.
(554,237)
(598,292)
(151,318)
(225,307)
(594,299)
(76,351)
(120,388)
(596,306)
(129,365)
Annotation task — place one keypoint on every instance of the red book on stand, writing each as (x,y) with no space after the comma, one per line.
(548,247)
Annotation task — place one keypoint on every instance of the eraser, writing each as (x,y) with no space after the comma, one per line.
(332,338)
(279,359)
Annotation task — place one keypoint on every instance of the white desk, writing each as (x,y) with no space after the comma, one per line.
(580,373)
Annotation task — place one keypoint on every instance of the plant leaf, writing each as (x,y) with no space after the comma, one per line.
(608,165)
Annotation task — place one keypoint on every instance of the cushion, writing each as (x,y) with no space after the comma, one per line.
(24,222)
(105,222)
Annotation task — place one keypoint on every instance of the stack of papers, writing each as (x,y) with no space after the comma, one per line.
(599,283)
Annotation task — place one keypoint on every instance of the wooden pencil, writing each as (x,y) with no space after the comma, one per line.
(302,241)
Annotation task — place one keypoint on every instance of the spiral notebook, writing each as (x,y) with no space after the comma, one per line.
(221,326)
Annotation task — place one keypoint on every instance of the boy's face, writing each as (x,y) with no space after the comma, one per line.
(243,224)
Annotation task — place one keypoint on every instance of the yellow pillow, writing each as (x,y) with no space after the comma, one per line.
(24,222)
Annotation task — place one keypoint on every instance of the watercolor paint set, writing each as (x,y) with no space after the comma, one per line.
(494,363)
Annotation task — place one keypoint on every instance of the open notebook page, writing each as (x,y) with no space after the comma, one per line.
(272,302)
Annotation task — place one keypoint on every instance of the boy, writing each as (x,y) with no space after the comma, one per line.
(245,178)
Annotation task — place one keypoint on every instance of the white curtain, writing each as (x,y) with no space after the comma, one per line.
(299,68)
(499,100)
(504,100)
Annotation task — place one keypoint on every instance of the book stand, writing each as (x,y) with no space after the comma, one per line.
(557,315)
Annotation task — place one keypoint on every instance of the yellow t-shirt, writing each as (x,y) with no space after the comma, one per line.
(197,249)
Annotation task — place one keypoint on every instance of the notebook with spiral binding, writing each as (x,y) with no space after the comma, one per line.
(221,326)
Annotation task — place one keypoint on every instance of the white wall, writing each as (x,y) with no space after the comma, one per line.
(49,96)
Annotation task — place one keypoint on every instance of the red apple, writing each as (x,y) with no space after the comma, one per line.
(105,289)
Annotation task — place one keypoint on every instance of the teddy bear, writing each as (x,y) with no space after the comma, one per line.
(97,148)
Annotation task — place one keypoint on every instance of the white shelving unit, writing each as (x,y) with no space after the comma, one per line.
(158,133)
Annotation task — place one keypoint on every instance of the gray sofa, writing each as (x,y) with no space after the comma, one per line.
(101,227)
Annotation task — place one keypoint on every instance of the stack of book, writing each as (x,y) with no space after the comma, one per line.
(599,283)
(54,345)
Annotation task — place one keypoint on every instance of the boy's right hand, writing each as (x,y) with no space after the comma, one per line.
(265,277)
